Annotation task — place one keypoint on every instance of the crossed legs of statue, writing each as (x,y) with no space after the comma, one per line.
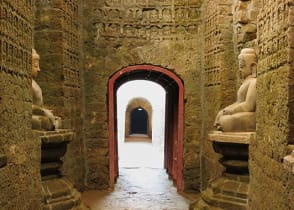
(243,121)
(43,119)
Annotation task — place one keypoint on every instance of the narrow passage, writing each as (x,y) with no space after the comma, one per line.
(139,188)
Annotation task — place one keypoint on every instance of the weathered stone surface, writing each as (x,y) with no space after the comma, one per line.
(224,193)
(20,180)
(219,77)
(245,23)
(274,104)
(230,191)
(59,194)
(57,191)
(233,146)
(57,42)
(198,40)
(120,35)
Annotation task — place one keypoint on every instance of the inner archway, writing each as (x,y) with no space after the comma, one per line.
(139,121)
(140,150)
(141,94)
(173,85)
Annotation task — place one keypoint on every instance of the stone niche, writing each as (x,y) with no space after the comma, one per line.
(138,109)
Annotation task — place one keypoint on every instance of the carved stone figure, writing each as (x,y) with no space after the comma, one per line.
(240,116)
(42,118)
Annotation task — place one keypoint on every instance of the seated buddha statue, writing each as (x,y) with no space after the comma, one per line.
(42,118)
(240,116)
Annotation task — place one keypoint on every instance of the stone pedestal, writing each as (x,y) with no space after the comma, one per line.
(230,191)
(57,191)
(233,146)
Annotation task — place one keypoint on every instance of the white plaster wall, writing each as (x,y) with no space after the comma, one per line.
(133,154)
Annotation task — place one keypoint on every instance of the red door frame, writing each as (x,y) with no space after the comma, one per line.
(113,165)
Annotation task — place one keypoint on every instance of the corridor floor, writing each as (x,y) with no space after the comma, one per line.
(139,188)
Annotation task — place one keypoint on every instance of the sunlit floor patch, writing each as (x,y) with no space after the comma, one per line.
(138,189)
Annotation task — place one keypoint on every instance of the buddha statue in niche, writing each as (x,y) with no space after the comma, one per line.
(42,118)
(240,116)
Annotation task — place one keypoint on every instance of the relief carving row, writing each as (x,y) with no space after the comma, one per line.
(71,73)
(16,37)
(146,3)
(212,36)
(212,77)
(14,26)
(71,69)
(14,59)
(23,8)
(148,14)
(142,31)
(70,40)
(273,38)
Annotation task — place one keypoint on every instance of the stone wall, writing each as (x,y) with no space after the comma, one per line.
(219,76)
(245,23)
(117,34)
(199,42)
(271,187)
(57,41)
(20,180)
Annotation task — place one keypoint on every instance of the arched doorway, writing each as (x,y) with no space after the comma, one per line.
(138,121)
(143,106)
(173,151)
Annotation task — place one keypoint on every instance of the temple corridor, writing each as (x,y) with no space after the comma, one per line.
(132,104)
(139,188)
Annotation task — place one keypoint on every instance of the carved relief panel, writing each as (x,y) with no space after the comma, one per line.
(167,15)
(16,36)
(212,38)
(273,38)
(135,16)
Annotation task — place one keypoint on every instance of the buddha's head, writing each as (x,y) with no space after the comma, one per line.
(247,62)
(35,63)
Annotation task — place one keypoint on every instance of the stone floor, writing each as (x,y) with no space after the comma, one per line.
(139,188)
(143,184)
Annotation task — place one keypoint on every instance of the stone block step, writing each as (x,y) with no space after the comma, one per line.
(65,203)
(59,194)
(55,188)
(201,205)
(223,201)
(230,188)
